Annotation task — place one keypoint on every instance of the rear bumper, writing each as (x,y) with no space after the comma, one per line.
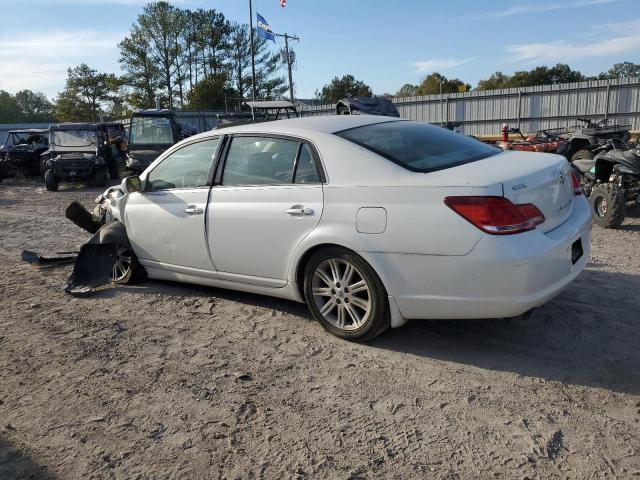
(503,276)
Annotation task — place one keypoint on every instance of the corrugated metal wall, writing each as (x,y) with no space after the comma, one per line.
(530,108)
(483,113)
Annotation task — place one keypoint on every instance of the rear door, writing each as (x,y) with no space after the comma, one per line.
(267,198)
(166,222)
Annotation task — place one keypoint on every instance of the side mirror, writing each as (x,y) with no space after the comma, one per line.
(132,184)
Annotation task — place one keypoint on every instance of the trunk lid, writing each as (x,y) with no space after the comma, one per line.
(524,177)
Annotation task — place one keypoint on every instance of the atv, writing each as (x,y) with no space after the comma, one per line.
(548,141)
(611,181)
(584,139)
(78,152)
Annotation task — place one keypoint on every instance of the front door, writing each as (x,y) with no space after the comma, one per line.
(166,222)
(268,199)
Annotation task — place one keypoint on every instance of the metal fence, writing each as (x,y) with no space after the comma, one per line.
(483,113)
(529,108)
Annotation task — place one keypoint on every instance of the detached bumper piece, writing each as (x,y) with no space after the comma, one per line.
(93,268)
(38,260)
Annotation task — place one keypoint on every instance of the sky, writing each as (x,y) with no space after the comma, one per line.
(385,43)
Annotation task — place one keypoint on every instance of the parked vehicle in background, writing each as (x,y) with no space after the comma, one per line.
(151,132)
(548,141)
(367,106)
(259,111)
(583,139)
(369,220)
(78,152)
(611,181)
(22,150)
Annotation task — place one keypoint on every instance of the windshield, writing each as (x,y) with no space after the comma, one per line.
(419,147)
(26,138)
(151,131)
(73,138)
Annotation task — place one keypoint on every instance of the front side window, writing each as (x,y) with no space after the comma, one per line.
(419,147)
(153,130)
(187,167)
(260,161)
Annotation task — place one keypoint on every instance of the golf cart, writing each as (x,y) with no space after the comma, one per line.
(78,152)
(22,150)
(260,111)
(151,132)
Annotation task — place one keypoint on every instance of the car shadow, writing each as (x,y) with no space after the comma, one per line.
(15,464)
(588,336)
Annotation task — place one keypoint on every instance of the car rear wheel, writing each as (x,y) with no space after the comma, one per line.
(50,181)
(346,295)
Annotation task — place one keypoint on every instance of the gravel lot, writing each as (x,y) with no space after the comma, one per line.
(164,380)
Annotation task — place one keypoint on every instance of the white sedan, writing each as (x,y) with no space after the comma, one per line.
(369,220)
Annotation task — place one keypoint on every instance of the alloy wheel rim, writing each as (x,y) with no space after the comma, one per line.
(601,206)
(123,264)
(341,294)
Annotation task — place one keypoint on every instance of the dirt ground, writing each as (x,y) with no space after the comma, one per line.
(163,380)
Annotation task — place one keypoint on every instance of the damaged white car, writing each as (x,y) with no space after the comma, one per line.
(369,220)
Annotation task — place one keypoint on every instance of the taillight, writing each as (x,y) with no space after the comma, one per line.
(496,215)
(576,184)
(532,212)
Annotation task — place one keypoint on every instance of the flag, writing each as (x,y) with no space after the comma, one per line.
(264,30)
(283,3)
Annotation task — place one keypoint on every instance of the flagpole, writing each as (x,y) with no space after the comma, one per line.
(253,57)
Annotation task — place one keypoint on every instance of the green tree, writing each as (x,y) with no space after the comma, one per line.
(560,73)
(209,94)
(141,74)
(269,84)
(407,90)
(34,107)
(9,108)
(85,94)
(622,70)
(433,83)
(344,87)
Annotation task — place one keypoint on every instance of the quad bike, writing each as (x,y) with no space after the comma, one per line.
(611,181)
(548,141)
(584,139)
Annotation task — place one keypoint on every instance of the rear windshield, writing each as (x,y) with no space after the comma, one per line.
(419,147)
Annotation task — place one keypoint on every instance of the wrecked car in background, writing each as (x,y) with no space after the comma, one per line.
(22,150)
(152,132)
(78,152)
(367,106)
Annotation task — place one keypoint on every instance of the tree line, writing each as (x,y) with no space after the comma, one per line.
(199,60)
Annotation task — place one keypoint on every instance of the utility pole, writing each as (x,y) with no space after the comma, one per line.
(253,56)
(288,60)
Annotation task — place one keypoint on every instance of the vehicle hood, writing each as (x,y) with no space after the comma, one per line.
(145,157)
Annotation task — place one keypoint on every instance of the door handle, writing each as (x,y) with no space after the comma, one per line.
(299,210)
(193,210)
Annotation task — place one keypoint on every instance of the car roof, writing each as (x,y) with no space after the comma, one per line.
(305,125)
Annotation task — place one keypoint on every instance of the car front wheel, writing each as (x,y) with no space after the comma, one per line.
(346,295)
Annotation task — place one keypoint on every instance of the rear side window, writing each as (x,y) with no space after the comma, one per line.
(419,147)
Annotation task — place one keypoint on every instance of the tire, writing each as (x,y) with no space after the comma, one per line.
(50,181)
(324,287)
(583,154)
(127,269)
(608,205)
(100,177)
